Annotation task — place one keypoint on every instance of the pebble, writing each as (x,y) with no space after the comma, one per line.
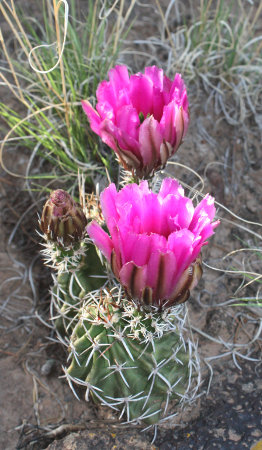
(48,367)
(248,387)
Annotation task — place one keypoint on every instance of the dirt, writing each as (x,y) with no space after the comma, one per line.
(38,407)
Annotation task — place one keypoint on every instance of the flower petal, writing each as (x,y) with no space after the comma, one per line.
(119,78)
(161,270)
(188,280)
(151,218)
(180,128)
(167,85)
(129,203)
(177,90)
(113,92)
(100,239)
(181,244)
(205,208)
(106,96)
(168,122)
(141,93)
(156,76)
(128,121)
(150,139)
(170,186)
(133,278)
(106,134)
(131,242)
(93,116)
(181,289)
(106,111)
(108,203)
(119,141)
(178,212)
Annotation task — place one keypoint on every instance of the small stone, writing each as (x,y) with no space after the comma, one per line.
(256,433)
(220,432)
(233,436)
(252,205)
(48,367)
(238,408)
(248,387)
(259,384)
(232,378)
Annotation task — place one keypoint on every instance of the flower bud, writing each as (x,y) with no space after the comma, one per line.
(63,220)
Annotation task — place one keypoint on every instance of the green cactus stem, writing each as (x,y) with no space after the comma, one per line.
(132,361)
(71,286)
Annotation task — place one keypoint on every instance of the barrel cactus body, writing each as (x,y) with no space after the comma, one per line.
(71,286)
(133,361)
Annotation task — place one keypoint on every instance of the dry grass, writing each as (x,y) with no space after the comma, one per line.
(216,45)
(49,75)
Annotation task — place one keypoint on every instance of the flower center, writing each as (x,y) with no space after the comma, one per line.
(142,117)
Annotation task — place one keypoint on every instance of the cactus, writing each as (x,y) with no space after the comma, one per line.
(133,361)
(127,338)
(68,251)
(133,358)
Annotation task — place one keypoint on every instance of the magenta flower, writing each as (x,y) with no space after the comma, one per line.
(143,118)
(155,242)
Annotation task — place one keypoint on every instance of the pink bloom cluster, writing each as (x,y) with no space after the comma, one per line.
(143,118)
(155,240)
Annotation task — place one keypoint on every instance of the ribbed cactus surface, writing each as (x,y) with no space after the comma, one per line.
(71,286)
(133,361)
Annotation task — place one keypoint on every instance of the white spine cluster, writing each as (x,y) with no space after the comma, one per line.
(63,259)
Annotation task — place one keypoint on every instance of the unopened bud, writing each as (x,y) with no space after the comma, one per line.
(63,220)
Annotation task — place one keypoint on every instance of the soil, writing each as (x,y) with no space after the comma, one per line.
(38,408)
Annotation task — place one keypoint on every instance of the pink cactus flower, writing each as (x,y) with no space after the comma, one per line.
(155,242)
(143,118)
